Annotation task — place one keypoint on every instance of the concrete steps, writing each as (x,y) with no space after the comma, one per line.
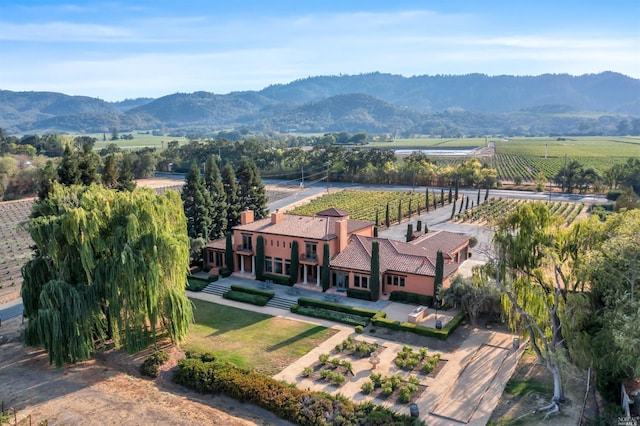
(216,289)
(280,303)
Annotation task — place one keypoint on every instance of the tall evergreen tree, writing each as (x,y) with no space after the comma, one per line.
(442,197)
(426,198)
(260,258)
(228,253)
(231,192)
(68,172)
(197,204)
(218,213)
(110,172)
(251,192)
(107,266)
(374,279)
(386,217)
(439,277)
(399,211)
(324,278)
(451,195)
(295,263)
(126,181)
(409,235)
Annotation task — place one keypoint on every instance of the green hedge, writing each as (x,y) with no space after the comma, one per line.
(278,279)
(196,278)
(369,313)
(407,297)
(359,294)
(196,285)
(241,296)
(331,315)
(250,290)
(421,330)
(213,278)
(301,407)
(151,366)
(224,272)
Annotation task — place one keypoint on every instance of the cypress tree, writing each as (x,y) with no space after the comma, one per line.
(435,205)
(466,206)
(88,162)
(218,212)
(107,265)
(478,201)
(453,210)
(251,192)
(231,193)
(486,194)
(451,195)
(228,253)
(442,197)
(324,278)
(426,199)
(418,207)
(462,204)
(197,204)
(419,226)
(399,211)
(376,223)
(409,208)
(126,181)
(439,275)
(457,187)
(295,263)
(409,235)
(68,172)
(260,258)
(110,172)
(375,231)
(386,216)
(374,278)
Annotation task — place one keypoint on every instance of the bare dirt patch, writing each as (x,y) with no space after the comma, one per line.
(517,407)
(107,390)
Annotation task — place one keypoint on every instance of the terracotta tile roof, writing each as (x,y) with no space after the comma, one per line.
(333,212)
(396,256)
(220,243)
(312,227)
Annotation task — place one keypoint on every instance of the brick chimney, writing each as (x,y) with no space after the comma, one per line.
(246,217)
(341,232)
(276,217)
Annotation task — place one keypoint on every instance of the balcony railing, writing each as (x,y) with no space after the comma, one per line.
(244,249)
(309,258)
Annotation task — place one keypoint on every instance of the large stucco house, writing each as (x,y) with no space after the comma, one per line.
(406,266)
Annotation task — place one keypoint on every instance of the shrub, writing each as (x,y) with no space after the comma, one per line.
(332,315)
(213,278)
(408,297)
(224,272)
(151,366)
(368,313)
(359,329)
(250,290)
(278,279)
(359,294)
(294,308)
(323,358)
(405,394)
(240,296)
(306,372)
(195,285)
(367,388)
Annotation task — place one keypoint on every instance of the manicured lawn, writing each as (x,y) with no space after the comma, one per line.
(250,339)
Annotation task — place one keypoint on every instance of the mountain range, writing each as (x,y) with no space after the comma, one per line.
(446,105)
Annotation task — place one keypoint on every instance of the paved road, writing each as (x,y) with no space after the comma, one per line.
(11,310)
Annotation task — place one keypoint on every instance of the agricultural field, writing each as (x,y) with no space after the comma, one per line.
(139,141)
(431,143)
(363,205)
(15,245)
(491,211)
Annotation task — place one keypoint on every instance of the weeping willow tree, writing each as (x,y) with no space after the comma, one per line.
(108,266)
(538,260)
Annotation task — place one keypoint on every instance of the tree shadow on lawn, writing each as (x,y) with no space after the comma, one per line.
(224,319)
(296,338)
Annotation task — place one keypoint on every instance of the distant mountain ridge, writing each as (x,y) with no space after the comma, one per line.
(374,102)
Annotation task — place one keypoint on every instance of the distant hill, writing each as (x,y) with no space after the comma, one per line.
(473,104)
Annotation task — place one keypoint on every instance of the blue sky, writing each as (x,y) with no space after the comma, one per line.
(116,50)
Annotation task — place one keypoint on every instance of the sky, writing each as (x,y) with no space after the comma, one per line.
(117,50)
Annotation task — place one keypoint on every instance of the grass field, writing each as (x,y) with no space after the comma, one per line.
(572,147)
(250,339)
(138,141)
